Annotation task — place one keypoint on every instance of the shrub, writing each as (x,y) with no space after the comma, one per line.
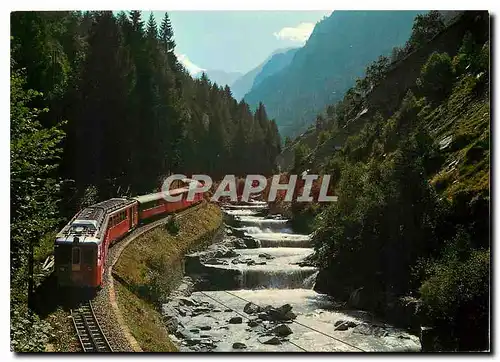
(436,77)
(172,225)
(456,292)
(27,332)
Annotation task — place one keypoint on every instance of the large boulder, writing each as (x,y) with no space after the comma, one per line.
(282,330)
(251,308)
(236,320)
(251,243)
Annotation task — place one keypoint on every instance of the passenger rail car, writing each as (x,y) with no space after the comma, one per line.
(81,247)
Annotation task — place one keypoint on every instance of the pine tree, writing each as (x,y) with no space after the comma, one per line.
(136,21)
(167,34)
(152,29)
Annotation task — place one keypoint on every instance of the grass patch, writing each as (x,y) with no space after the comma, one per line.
(144,321)
(152,266)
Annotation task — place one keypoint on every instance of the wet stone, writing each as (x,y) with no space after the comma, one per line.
(171,323)
(270,340)
(251,308)
(235,320)
(282,330)
(205,328)
(187,301)
(239,345)
(343,325)
(193,341)
(216,262)
(253,323)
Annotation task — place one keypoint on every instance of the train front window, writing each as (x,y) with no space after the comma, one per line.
(89,256)
(76,256)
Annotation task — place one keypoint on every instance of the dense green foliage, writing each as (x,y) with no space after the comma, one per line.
(412,217)
(34,154)
(337,52)
(134,114)
(437,77)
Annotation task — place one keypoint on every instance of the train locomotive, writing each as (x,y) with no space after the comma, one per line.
(81,247)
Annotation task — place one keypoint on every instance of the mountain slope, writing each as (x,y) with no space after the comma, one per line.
(276,63)
(221,77)
(339,49)
(244,84)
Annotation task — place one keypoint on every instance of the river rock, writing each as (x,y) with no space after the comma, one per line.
(266,256)
(205,328)
(186,301)
(200,310)
(182,311)
(239,345)
(252,243)
(224,252)
(213,261)
(251,308)
(239,244)
(253,322)
(171,323)
(343,325)
(180,333)
(282,330)
(283,313)
(251,262)
(269,340)
(195,330)
(236,320)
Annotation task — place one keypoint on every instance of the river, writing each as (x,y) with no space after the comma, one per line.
(251,293)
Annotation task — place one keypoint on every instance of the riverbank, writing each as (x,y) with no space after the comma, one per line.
(252,291)
(153,265)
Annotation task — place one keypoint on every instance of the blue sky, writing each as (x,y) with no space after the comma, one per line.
(236,41)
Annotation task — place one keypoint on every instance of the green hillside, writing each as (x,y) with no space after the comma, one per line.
(410,230)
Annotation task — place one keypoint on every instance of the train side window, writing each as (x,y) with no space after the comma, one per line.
(76,255)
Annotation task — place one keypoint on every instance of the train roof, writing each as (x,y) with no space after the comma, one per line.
(159,195)
(87,224)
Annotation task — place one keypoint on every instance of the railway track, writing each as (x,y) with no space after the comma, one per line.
(90,333)
(88,329)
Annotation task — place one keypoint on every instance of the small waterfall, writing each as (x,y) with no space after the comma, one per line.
(256,220)
(281,240)
(291,278)
(309,282)
(245,212)
(251,229)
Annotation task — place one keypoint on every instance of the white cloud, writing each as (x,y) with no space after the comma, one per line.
(192,68)
(300,33)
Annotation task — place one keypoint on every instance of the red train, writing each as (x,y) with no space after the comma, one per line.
(81,247)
